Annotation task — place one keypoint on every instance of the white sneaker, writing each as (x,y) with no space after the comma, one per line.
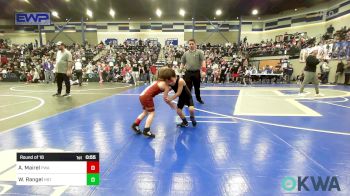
(301,94)
(319,95)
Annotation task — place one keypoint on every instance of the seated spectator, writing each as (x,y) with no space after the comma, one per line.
(268,70)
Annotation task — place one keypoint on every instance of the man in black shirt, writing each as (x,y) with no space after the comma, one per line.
(330,30)
(310,73)
(289,72)
(347,73)
(339,71)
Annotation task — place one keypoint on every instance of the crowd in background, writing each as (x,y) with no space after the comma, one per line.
(31,63)
(113,63)
(132,63)
(224,65)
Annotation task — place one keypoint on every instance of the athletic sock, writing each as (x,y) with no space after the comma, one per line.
(194,122)
(137,121)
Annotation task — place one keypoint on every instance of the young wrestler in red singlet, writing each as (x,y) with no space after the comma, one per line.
(166,77)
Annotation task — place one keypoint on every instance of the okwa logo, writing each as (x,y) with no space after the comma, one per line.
(313,183)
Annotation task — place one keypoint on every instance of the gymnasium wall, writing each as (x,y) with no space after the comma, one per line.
(313,30)
(314,21)
(205,31)
(161,36)
(70,37)
(22,37)
(213,38)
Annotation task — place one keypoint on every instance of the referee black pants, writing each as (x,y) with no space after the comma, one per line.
(193,78)
(60,78)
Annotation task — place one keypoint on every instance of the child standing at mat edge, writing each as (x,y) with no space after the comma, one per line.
(166,77)
(185,98)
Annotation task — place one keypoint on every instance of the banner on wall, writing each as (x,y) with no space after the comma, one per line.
(172,41)
(112,41)
(153,41)
(9,77)
(32,18)
(332,12)
(131,41)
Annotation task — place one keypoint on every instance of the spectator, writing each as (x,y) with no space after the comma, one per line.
(48,70)
(330,31)
(247,75)
(203,74)
(4,60)
(235,71)
(289,72)
(36,76)
(310,73)
(223,72)
(324,72)
(209,73)
(146,69)
(153,72)
(135,73)
(78,66)
(100,70)
(347,73)
(339,71)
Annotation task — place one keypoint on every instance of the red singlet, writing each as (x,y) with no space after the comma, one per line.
(146,97)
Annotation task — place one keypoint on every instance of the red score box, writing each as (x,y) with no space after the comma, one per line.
(93,167)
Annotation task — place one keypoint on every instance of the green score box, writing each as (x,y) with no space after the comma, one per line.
(92,179)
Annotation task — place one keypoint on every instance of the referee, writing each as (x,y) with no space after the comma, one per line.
(193,60)
(63,69)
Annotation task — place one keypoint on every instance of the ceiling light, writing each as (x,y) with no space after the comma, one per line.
(129,18)
(112,12)
(255,12)
(295,9)
(218,12)
(158,12)
(182,12)
(89,13)
(54,14)
(27,1)
(67,0)
(150,18)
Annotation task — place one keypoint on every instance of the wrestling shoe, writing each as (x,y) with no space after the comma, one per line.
(149,134)
(136,128)
(182,124)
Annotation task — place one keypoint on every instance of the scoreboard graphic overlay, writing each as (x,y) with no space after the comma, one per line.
(77,169)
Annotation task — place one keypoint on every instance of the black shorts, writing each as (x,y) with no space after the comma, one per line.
(184,101)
